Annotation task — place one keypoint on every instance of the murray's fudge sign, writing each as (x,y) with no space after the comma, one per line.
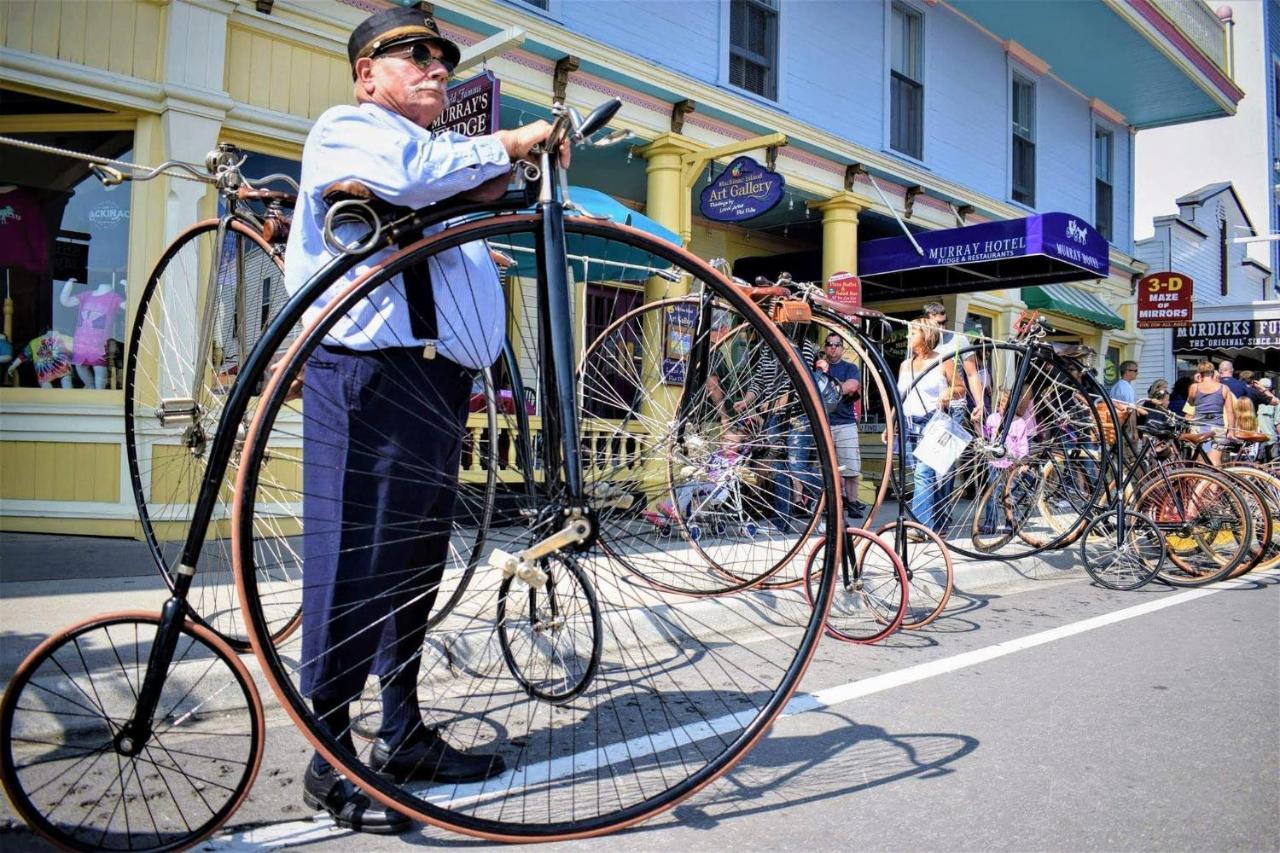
(742,191)
(473,107)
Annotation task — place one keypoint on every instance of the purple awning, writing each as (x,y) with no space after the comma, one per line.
(1043,249)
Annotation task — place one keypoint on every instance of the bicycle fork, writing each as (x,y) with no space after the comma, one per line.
(136,731)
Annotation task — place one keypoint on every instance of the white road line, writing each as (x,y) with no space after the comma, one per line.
(295,832)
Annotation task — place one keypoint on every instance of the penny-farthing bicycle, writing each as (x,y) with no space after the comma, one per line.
(609,699)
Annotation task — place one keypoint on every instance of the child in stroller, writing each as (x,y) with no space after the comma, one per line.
(708,496)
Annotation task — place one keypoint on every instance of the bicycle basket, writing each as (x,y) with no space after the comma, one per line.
(1108,426)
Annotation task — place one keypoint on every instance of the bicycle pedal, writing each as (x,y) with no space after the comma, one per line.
(512,565)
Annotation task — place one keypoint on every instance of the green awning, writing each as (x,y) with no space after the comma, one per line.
(1074,302)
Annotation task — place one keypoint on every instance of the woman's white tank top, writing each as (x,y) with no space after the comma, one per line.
(923,398)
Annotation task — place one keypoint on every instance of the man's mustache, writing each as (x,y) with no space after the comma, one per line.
(427,86)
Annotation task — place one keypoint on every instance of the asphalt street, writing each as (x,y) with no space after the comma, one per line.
(1039,715)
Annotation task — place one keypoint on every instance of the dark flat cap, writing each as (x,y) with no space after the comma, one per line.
(397,25)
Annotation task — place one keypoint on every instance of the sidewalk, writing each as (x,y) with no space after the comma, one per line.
(49,582)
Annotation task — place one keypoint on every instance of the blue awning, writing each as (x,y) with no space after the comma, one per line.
(599,204)
(1044,249)
(595,258)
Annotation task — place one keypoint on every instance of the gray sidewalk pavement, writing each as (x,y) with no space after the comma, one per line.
(49,582)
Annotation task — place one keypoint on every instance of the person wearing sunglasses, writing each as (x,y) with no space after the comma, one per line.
(949,344)
(438,323)
(844,423)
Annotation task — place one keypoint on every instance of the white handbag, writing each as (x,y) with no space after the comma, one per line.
(941,443)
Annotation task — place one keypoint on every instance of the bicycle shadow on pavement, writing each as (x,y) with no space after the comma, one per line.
(773,776)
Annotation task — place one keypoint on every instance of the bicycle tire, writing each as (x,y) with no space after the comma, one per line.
(1126,565)
(1064,420)
(655,648)
(65,704)
(1268,486)
(526,652)
(930,570)
(1206,525)
(870,598)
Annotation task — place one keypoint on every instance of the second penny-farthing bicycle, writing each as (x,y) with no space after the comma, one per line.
(609,699)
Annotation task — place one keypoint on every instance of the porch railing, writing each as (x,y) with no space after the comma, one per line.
(1199,23)
(608,449)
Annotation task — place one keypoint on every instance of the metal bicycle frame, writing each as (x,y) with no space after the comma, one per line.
(556,324)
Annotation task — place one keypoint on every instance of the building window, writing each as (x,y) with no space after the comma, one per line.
(906,86)
(1024,141)
(537,4)
(1103,180)
(753,46)
(64,254)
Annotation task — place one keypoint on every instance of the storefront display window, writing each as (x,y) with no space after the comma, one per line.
(64,253)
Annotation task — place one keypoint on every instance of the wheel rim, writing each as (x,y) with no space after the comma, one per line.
(62,714)
(655,648)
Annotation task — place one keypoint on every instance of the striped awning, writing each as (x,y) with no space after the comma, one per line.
(1073,302)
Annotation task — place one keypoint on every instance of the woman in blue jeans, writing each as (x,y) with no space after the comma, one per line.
(921,400)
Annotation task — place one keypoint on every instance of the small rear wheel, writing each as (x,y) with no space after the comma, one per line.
(870,595)
(930,572)
(1126,561)
(550,636)
(66,764)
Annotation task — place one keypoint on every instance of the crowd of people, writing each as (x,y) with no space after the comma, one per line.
(1212,399)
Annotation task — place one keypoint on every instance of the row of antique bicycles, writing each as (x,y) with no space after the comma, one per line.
(636,573)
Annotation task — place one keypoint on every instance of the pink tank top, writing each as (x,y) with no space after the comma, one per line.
(94,323)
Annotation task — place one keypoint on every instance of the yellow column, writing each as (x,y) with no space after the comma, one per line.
(667,201)
(840,231)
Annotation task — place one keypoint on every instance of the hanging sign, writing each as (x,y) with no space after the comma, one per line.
(742,191)
(677,340)
(1164,301)
(1206,335)
(845,287)
(473,107)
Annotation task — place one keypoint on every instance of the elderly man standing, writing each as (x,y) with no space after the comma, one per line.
(369,581)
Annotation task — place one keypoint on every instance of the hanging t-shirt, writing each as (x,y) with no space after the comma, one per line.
(50,355)
(94,323)
(24,237)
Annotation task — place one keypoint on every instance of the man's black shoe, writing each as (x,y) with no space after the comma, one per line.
(350,807)
(429,759)
(856,509)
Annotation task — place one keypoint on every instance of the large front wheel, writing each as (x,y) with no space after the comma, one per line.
(682,687)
